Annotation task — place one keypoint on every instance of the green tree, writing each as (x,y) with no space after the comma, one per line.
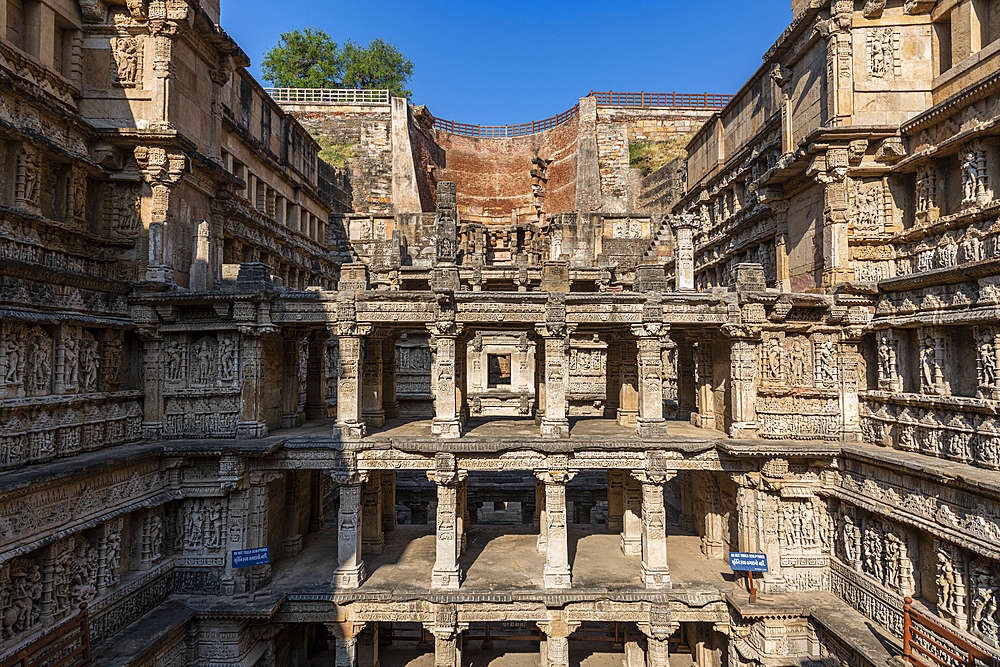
(311,59)
(303,59)
(379,65)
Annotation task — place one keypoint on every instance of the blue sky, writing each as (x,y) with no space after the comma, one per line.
(519,61)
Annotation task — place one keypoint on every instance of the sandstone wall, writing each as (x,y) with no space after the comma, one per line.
(493,176)
(617,127)
(367,129)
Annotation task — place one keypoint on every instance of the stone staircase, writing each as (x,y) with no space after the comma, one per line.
(661,248)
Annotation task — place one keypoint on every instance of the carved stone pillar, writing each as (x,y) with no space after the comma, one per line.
(294,370)
(616,500)
(655,571)
(446,573)
(889,377)
(555,423)
(686,389)
(557,571)
(539,519)
(316,375)
(372,380)
(351,569)
(346,642)
(462,515)
(389,520)
(373,539)
(632,518)
(848,354)
(744,375)
(684,226)
(706,383)
(447,645)
(650,422)
(658,631)
(153,378)
(368,646)
(291,543)
(556,642)
(351,341)
(628,384)
(836,267)
(390,406)
(444,343)
(614,373)
(782,274)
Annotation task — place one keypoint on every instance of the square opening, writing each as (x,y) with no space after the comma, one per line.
(499,370)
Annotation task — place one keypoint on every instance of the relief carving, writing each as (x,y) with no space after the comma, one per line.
(127,66)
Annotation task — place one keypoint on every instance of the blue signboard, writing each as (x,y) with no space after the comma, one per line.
(748,562)
(251,557)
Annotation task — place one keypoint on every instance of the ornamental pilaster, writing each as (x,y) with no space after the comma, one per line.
(351,568)
(446,573)
(557,571)
(650,336)
(655,571)
(445,377)
(744,374)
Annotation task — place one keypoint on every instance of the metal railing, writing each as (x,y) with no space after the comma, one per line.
(504,131)
(329,95)
(67,645)
(937,645)
(673,100)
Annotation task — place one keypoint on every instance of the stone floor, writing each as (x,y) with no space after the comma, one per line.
(503,654)
(500,558)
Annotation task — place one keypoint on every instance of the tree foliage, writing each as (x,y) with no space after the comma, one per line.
(303,59)
(309,58)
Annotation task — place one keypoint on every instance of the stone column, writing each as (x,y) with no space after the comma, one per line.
(368,646)
(351,569)
(706,383)
(447,644)
(614,373)
(346,642)
(655,571)
(555,423)
(557,570)
(836,268)
(556,642)
(658,631)
(616,500)
(389,521)
(782,274)
(351,341)
(686,388)
(316,375)
(462,515)
(371,381)
(539,519)
(446,573)
(744,375)
(390,406)
(291,543)
(650,422)
(291,378)
(373,539)
(444,343)
(847,371)
(153,378)
(628,384)
(632,518)
(684,226)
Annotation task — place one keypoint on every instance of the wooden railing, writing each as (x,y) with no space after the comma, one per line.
(345,96)
(674,100)
(504,131)
(66,645)
(928,643)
